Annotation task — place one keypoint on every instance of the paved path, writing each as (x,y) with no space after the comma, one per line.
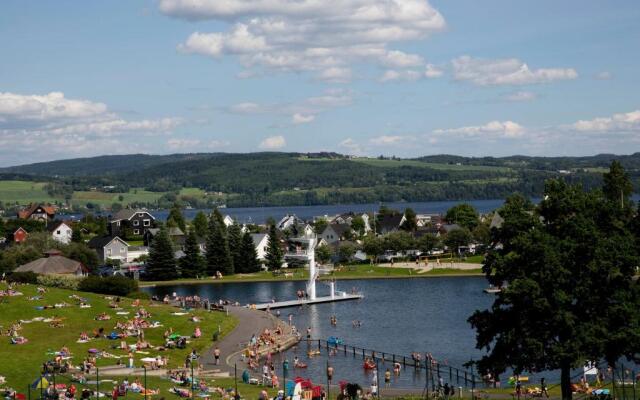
(231,346)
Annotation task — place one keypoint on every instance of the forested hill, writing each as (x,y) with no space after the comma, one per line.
(323,178)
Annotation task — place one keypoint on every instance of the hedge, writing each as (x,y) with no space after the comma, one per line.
(116,285)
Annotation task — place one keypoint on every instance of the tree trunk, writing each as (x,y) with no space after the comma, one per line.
(565,381)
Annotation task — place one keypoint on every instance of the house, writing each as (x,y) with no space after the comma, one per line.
(389,223)
(175,234)
(38,212)
(301,229)
(20,235)
(288,221)
(134,222)
(496,221)
(60,231)
(110,248)
(54,263)
(260,241)
(348,218)
(228,221)
(428,219)
(335,232)
(446,228)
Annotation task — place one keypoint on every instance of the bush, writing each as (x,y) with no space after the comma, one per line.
(60,281)
(23,277)
(139,295)
(116,285)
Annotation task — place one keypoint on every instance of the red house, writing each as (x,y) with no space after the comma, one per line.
(20,235)
(39,212)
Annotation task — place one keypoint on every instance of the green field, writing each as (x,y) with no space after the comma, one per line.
(23,192)
(415,163)
(24,364)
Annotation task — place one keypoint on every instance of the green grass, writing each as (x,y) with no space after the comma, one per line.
(134,195)
(23,192)
(375,162)
(25,361)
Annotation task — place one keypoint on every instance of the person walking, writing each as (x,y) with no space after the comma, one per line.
(216,355)
(543,388)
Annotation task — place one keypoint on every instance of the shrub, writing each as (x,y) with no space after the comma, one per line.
(60,281)
(116,285)
(139,295)
(23,277)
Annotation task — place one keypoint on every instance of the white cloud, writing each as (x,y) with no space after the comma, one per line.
(273,143)
(520,96)
(387,140)
(181,144)
(622,123)
(509,71)
(603,75)
(431,71)
(405,75)
(298,118)
(501,129)
(248,108)
(51,125)
(351,146)
(324,37)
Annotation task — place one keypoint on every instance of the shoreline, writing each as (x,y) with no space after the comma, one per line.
(151,284)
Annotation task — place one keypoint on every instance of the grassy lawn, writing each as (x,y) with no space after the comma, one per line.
(107,199)
(24,192)
(344,272)
(24,364)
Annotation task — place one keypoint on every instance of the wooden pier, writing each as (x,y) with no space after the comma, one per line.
(301,302)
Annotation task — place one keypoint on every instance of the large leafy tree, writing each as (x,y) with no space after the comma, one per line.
(457,238)
(427,242)
(374,247)
(218,254)
(274,251)
(323,254)
(161,265)
(570,296)
(192,264)
(617,185)
(410,223)
(464,215)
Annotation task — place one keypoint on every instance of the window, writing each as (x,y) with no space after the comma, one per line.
(121,249)
(140,215)
(136,222)
(108,252)
(136,231)
(118,223)
(58,232)
(146,222)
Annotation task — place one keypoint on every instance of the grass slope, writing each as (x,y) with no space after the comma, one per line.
(23,365)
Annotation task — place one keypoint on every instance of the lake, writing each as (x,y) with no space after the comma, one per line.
(398,316)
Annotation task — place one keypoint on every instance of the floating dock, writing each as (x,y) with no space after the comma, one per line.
(301,302)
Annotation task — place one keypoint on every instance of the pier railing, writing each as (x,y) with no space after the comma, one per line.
(434,370)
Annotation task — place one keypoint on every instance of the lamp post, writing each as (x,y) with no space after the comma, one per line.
(145,382)
(285,368)
(192,381)
(97,383)
(329,377)
(235,377)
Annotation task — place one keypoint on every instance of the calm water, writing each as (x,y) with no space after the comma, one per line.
(259,215)
(398,316)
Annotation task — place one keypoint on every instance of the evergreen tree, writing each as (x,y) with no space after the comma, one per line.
(274,252)
(76,235)
(250,261)
(176,218)
(200,224)
(218,255)
(234,235)
(192,264)
(161,265)
(2,227)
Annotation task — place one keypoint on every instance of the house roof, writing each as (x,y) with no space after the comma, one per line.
(340,229)
(20,229)
(100,242)
(128,214)
(258,238)
(449,227)
(496,220)
(390,222)
(54,264)
(26,213)
(173,231)
(55,224)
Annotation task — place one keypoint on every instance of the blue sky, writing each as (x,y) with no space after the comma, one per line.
(364,77)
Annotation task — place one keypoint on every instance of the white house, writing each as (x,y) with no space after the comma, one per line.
(60,232)
(109,247)
(260,241)
(228,221)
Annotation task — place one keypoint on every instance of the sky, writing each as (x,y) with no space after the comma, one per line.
(363,77)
